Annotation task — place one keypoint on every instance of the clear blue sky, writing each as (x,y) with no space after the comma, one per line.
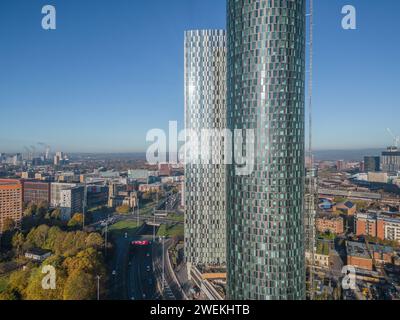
(114,69)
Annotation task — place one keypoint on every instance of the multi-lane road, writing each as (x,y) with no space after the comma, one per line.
(138,268)
(141,283)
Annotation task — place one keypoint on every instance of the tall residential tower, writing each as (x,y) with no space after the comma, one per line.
(265,93)
(205,181)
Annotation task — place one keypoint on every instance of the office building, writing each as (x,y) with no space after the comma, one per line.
(55,192)
(10,202)
(372,164)
(71,202)
(265,93)
(205,179)
(36,192)
(390,160)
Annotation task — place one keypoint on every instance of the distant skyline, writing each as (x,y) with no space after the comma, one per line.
(114,70)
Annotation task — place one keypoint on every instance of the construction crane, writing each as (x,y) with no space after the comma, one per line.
(396,139)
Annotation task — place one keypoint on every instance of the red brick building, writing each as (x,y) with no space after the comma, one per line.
(10,201)
(332,224)
(36,192)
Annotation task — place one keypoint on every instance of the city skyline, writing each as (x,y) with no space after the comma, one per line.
(98,76)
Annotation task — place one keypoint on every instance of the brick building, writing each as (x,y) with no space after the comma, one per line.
(363,257)
(333,224)
(10,201)
(36,192)
(385,226)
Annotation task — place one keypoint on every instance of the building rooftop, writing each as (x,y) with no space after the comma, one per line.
(359,249)
(38,251)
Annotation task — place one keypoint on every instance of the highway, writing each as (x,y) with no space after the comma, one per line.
(141,284)
(172,289)
(132,275)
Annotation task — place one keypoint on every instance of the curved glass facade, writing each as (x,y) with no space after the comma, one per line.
(265,92)
(205,182)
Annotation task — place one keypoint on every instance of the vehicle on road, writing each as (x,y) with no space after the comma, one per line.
(148,269)
(140,243)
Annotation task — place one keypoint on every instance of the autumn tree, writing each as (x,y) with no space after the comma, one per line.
(80,285)
(76,220)
(124,209)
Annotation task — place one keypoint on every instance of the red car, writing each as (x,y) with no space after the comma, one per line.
(140,243)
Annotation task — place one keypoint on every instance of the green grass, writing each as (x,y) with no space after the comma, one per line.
(3,283)
(123,227)
(176,217)
(170,230)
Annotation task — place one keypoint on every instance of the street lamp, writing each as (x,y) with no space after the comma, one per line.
(106,237)
(98,287)
(163,262)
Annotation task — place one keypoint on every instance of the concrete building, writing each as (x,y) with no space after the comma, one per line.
(265,93)
(380,177)
(390,160)
(58,158)
(205,108)
(71,202)
(55,192)
(37,254)
(139,175)
(10,201)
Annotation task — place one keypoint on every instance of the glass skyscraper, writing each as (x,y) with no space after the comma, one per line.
(265,93)
(205,181)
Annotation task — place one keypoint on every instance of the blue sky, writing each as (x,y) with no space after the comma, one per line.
(114,70)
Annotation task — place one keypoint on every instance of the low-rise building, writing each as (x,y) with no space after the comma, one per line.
(37,254)
(348,207)
(154,187)
(380,177)
(330,223)
(363,257)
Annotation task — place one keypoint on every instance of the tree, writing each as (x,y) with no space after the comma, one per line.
(8,224)
(88,260)
(18,241)
(19,281)
(30,210)
(124,209)
(94,240)
(56,214)
(8,295)
(76,220)
(37,236)
(35,290)
(80,285)
(42,209)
